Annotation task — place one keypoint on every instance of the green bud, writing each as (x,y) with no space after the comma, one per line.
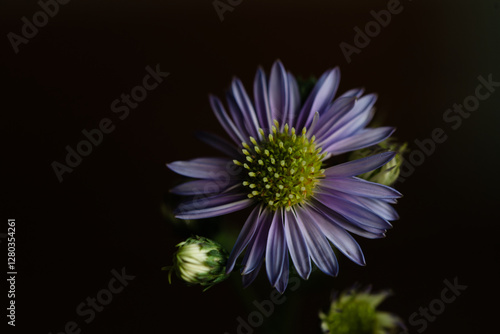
(355,312)
(388,173)
(200,261)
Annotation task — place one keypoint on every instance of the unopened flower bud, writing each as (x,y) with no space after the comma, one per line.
(200,261)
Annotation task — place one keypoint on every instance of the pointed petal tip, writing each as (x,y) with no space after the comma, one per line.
(260,72)
(169,166)
(390,153)
(397,193)
(246,270)
(278,288)
(335,72)
(236,81)
(278,64)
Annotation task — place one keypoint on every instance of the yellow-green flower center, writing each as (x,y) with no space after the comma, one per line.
(283,168)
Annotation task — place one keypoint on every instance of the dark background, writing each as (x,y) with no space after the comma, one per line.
(107,213)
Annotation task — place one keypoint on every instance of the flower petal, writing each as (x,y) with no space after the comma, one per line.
(238,118)
(217,205)
(276,248)
(241,97)
(362,105)
(283,280)
(341,221)
(319,98)
(320,250)
(353,212)
(250,277)
(352,121)
(362,139)
(381,208)
(198,187)
(335,111)
(257,245)
(339,237)
(246,234)
(356,92)
(297,245)
(262,100)
(225,121)
(278,92)
(378,206)
(360,166)
(360,187)
(218,143)
(294,102)
(203,168)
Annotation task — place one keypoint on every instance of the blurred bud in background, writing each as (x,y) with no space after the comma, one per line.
(388,173)
(355,312)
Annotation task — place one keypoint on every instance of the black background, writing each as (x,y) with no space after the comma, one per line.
(107,213)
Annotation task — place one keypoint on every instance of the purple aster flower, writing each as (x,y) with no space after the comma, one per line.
(276,165)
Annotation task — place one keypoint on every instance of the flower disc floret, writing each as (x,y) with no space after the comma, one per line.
(283,168)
